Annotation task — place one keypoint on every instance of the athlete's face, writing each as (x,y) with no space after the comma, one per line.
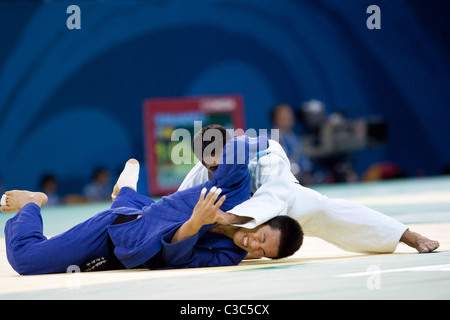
(211,163)
(262,241)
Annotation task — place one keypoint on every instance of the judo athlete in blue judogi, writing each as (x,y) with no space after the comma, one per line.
(174,232)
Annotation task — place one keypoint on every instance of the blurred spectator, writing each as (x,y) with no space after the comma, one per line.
(49,185)
(283,119)
(100,188)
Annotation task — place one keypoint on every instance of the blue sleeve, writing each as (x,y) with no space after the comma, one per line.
(241,149)
(232,174)
(185,254)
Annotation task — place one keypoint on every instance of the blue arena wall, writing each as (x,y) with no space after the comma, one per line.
(71,100)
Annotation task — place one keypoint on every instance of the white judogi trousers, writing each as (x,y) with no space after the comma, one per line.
(276,191)
(348,225)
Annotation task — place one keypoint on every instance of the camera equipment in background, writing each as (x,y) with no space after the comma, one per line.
(330,140)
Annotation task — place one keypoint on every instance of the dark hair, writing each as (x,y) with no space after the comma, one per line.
(291,235)
(47,178)
(98,172)
(207,136)
(275,109)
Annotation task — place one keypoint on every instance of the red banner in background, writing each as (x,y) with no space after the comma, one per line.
(166,156)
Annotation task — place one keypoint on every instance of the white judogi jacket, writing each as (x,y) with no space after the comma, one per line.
(276,191)
(271,184)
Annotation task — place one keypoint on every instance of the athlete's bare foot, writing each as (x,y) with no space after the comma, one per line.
(16,199)
(128,178)
(419,242)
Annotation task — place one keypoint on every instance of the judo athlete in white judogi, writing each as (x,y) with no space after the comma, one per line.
(276,191)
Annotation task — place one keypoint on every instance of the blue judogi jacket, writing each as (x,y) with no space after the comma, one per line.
(144,241)
(139,241)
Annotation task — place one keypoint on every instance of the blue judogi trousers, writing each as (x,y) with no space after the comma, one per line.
(30,252)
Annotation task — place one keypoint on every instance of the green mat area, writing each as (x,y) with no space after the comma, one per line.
(61,218)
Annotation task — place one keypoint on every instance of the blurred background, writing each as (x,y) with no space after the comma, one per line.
(352,103)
